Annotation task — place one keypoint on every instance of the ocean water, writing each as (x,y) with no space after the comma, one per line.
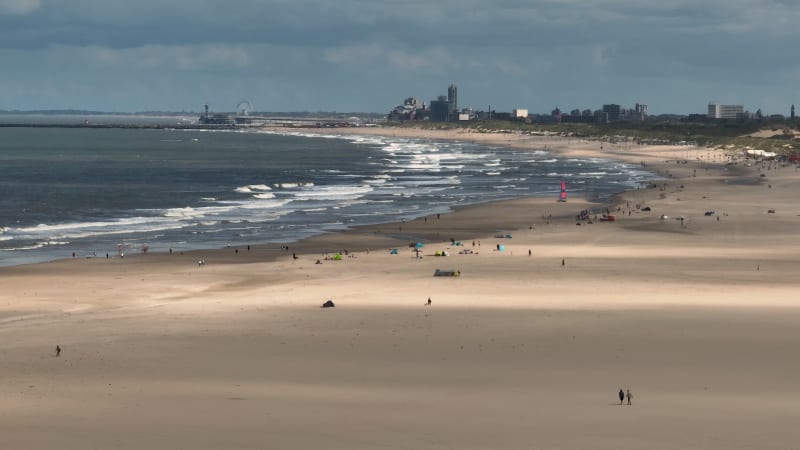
(98,191)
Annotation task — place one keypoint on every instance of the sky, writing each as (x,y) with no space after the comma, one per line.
(369,55)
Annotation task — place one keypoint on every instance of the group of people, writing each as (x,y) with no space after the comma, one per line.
(623,395)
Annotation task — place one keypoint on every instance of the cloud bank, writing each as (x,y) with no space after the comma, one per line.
(355,55)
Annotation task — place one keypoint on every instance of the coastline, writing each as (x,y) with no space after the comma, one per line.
(697,317)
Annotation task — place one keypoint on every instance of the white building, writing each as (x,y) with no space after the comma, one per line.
(716,111)
(519,113)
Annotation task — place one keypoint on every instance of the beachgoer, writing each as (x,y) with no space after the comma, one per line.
(563,262)
(58,350)
(429,302)
(294,255)
(248,248)
(621,396)
(73,254)
(629,396)
(529,252)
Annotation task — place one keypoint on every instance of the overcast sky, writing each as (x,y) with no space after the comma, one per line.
(368,55)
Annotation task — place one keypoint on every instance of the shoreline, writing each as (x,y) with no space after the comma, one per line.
(556,145)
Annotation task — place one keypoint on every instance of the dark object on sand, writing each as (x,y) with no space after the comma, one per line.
(770,211)
(58,350)
(446,273)
(328,304)
(646,208)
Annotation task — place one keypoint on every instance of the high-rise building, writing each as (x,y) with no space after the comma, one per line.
(791,114)
(452,97)
(640,112)
(613,112)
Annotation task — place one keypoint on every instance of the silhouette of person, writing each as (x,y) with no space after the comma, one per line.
(564,264)
(621,396)
(629,395)
(58,350)
(429,302)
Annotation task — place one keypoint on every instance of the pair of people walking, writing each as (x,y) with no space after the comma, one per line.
(623,395)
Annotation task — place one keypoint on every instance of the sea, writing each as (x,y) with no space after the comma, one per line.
(89,191)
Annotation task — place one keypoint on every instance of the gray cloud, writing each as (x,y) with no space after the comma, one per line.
(368,55)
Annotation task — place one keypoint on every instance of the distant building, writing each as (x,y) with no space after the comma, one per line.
(639,113)
(601,116)
(519,113)
(216,119)
(452,97)
(445,109)
(556,114)
(612,112)
(411,109)
(716,111)
(500,115)
(791,113)
(440,109)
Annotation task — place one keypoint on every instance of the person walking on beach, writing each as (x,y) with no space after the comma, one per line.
(58,350)
(629,396)
(621,396)
(429,302)
(564,264)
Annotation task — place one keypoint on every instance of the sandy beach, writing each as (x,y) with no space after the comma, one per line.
(526,349)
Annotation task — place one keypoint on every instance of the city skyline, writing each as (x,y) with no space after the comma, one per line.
(351,56)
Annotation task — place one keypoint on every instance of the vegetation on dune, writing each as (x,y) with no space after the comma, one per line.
(723,134)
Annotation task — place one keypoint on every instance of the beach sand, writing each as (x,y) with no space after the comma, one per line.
(698,319)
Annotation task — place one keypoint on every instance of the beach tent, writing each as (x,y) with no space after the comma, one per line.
(337,257)
(501,248)
(393,251)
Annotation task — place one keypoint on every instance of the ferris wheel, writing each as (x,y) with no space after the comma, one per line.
(244,108)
